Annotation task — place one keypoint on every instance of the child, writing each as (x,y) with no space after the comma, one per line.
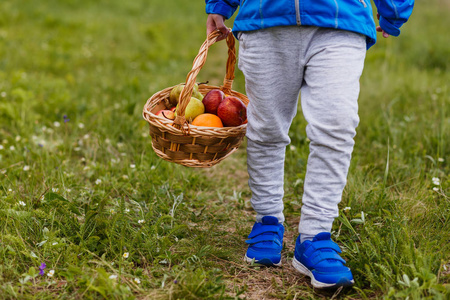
(316,47)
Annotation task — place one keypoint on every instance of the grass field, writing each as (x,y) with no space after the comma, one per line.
(82,191)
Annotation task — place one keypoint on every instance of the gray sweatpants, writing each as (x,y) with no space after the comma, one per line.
(325,65)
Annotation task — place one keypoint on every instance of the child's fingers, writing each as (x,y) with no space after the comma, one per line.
(385,34)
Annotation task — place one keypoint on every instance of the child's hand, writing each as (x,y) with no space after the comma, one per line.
(214,22)
(385,34)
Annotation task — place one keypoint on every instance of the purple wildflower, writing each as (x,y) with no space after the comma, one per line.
(66,119)
(41,269)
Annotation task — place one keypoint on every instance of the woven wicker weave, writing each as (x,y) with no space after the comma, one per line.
(187,144)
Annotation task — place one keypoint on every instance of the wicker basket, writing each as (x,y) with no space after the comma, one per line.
(187,144)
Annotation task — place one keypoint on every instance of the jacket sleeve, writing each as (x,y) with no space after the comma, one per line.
(393,14)
(225,8)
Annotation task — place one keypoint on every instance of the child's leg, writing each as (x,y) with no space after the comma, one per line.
(270,61)
(329,102)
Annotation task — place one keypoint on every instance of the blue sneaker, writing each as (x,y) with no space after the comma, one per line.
(320,260)
(265,242)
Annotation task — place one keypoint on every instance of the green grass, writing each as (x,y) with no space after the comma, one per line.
(78,192)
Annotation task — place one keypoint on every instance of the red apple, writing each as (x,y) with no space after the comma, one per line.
(166,114)
(232,111)
(212,100)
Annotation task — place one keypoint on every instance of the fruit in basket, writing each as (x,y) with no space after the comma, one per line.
(232,111)
(194,108)
(174,96)
(197,95)
(207,120)
(168,114)
(212,100)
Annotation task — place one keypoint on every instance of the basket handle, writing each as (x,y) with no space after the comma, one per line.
(198,63)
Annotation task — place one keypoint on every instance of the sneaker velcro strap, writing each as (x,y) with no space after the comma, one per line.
(328,244)
(319,256)
(265,238)
(265,228)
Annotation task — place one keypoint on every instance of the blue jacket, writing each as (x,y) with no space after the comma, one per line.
(352,15)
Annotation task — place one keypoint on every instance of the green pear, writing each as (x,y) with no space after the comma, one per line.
(194,108)
(198,95)
(174,96)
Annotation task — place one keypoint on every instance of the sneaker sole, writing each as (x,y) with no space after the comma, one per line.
(264,261)
(317,284)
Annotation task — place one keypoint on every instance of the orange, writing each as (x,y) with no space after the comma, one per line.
(207,120)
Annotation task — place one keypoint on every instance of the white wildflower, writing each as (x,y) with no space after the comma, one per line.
(1,147)
(440,159)
(51,273)
(137,280)
(98,181)
(77,149)
(127,210)
(163,262)
(26,168)
(436,181)
(126,254)
(21,203)
(113,276)
(80,125)
(152,167)
(56,124)
(86,136)
(436,189)
(12,148)
(141,221)
(108,141)
(112,211)
(292,148)
(18,138)
(125,177)
(347,208)
(3,94)
(132,166)
(55,190)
